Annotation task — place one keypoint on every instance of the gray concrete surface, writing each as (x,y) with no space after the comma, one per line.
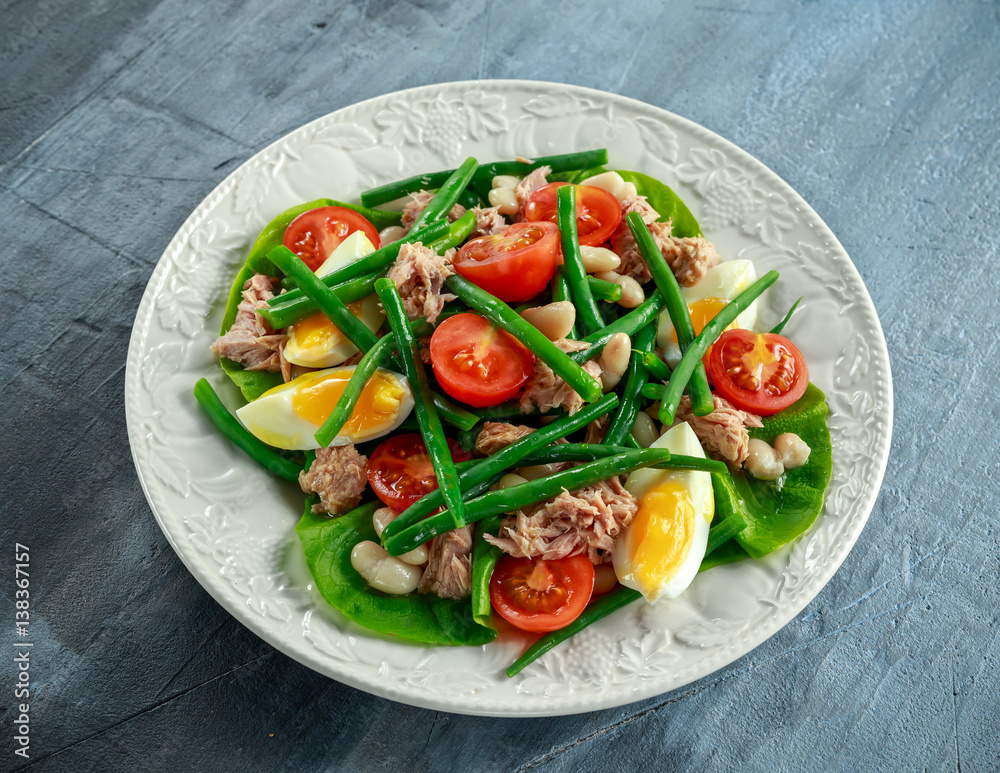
(116,119)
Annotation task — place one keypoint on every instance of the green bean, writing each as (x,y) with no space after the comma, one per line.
(560,292)
(363,371)
(603,290)
(484,559)
(382,258)
(525,494)
(502,460)
(448,193)
(781,325)
(453,413)
(724,530)
(597,609)
(629,324)
(701,396)
(586,307)
(588,452)
(657,368)
(289,313)
(230,426)
(356,331)
(484,174)
(458,232)
(671,396)
(427,415)
(502,315)
(636,376)
(470,198)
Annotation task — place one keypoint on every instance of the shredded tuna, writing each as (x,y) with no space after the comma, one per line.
(527,187)
(689,258)
(419,274)
(425,349)
(418,203)
(449,568)
(623,243)
(338,476)
(488,221)
(596,429)
(544,390)
(583,521)
(497,435)
(251,341)
(723,432)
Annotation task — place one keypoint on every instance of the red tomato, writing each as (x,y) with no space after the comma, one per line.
(514,265)
(313,235)
(598,213)
(539,595)
(477,363)
(762,373)
(400,470)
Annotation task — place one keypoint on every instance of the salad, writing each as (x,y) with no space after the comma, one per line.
(534,395)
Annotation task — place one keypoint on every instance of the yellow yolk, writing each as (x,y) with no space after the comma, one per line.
(318,332)
(378,404)
(703,312)
(666,521)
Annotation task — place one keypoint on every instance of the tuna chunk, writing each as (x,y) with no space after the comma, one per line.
(251,341)
(497,435)
(418,203)
(338,476)
(419,274)
(544,390)
(723,432)
(528,186)
(689,258)
(583,521)
(449,568)
(596,429)
(623,243)
(488,221)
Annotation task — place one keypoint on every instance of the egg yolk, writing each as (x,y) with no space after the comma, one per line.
(377,406)
(663,530)
(318,332)
(702,312)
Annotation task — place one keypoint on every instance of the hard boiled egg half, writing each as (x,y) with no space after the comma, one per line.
(660,551)
(289,415)
(718,287)
(314,341)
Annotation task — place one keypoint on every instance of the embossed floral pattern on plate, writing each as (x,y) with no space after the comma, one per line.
(232,524)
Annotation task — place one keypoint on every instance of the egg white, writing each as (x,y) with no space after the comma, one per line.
(724,281)
(698,485)
(272,419)
(352,249)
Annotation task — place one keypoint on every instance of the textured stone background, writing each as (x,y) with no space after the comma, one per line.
(116,119)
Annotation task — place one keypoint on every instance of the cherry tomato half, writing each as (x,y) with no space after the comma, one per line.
(538,595)
(315,234)
(477,363)
(400,470)
(598,213)
(762,373)
(514,265)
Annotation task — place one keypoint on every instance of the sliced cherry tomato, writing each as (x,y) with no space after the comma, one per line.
(477,363)
(313,235)
(538,595)
(514,265)
(598,213)
(762,373)
(400,470)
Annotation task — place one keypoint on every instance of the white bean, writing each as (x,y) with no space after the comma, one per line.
(597,259)
(763,462)
(391,234)
(614,360)
(504,200)
(384,516)
(793,450)
(508,480)
(611,182)
(382,571)
(632,292)
(505,181)
(644,430)
(537,471)
(554,320)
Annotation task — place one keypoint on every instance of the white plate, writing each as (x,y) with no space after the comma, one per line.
(232,524)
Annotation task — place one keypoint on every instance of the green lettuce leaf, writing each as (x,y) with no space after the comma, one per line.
(426,619)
